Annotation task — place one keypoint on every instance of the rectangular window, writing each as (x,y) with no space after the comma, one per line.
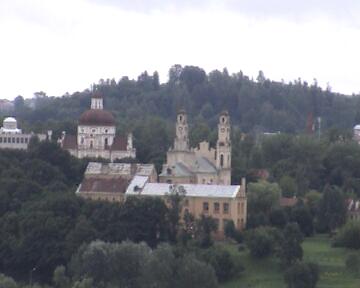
(5,139)
(9,140)
(26,140)
(13,140)
(0,139)
(226,208)
(216,207)
(206,207)
(17,140)
(21,140)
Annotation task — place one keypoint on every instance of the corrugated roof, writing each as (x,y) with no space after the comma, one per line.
(193,190)
(97,168)
(113,185)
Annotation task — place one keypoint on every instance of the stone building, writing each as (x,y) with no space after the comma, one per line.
(96,135)
(110,181)
(115,182)
(222,202)
(200,165)
(11,137)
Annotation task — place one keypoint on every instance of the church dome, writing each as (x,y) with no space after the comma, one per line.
(10,119)
(97,117)
(10,123)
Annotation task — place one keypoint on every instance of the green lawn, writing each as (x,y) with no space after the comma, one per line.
(267,273)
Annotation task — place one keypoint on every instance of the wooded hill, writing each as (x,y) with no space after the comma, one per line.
(148,108)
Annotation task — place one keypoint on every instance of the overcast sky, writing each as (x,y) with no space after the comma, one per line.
(60,46)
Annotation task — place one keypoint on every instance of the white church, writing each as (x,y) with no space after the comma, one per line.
(96,135)
(11,137)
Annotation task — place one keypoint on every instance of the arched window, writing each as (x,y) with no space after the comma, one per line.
(91,144)
(106,142)
(222,160)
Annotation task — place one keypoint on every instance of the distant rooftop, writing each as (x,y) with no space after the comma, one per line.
(97,168)
(192,190)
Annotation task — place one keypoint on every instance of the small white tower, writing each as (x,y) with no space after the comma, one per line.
(97,102)
(181,142)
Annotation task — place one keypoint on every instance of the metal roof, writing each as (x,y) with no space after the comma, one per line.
(136,184)
(117,169)
(192,190)
(180,169)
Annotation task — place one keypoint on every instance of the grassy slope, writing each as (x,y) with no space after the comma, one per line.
(267,273)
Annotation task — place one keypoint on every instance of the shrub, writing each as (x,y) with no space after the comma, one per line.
(222,262)
(302,275)
(352,263)
(232,232)
(349,236)
(261,241)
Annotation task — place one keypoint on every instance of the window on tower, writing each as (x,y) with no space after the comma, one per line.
(221,160)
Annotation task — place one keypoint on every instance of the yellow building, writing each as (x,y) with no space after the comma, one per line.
(118,181)
(221,202)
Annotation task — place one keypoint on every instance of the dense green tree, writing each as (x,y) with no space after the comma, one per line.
(204,227)
(332,208)
(262,196)
(261,241)
(302,275)
(349,236)
(290,249)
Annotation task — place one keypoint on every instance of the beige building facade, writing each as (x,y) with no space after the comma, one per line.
(202,164)
(221,202)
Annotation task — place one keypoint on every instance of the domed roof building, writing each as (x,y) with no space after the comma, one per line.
(11,137)
(96,135)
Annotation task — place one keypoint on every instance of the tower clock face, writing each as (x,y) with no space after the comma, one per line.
(222,130)
(180,129)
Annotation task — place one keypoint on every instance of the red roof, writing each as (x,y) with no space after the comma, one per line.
(95,117)
(112,185)
(120,143)
(70,142)
(288,202)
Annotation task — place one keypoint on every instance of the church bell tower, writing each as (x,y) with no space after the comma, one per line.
(223,149)
(181,142)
